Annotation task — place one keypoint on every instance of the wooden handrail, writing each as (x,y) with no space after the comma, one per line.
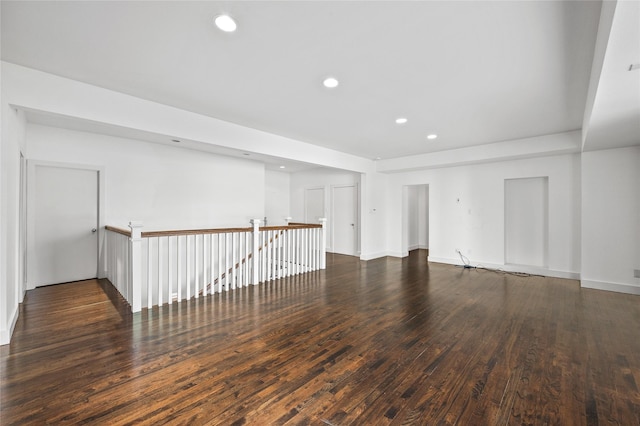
(304,225)
(148,234)
(121,231)
(193,232)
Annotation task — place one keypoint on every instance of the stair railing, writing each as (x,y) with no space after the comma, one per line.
(157,267)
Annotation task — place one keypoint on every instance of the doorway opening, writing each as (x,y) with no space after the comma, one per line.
(415,218)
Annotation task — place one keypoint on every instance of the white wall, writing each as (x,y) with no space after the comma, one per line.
(12,133)
(466,210)
(423,216)
(611,219)
(373,215)
(276,199)
(164,187)
(315,178)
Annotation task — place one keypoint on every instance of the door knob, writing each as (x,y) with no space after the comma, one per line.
(94,230)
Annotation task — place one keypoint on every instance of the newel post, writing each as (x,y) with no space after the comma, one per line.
(323,247)
(135,266)
(255,258)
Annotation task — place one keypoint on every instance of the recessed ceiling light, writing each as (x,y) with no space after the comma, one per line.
(432,136)
(225,23)
(282,167)
(330,82)
(401,120)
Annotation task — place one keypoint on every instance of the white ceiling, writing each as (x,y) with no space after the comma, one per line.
(473,72)
(614,121)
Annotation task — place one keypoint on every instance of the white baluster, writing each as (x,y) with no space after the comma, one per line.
(234,249)
(255,253)
(160,286)
(204,266)
(219,263)
(169,271)
(227,255)
(211,271)
(188,267)
(149,283)
(179,268)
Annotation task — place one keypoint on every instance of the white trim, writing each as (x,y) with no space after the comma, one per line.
(371,256)
(100,170)
(399,254)
(5,335)
(512,268)
(617,287)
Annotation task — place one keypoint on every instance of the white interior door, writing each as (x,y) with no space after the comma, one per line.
(345,220)
(62,228)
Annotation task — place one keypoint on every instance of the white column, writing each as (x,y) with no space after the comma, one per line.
(135,266)
(323,244)
(255,257)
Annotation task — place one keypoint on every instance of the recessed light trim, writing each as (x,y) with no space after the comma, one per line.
(225,23)
(330,82)
(282,167)
(401,120)
(432,136)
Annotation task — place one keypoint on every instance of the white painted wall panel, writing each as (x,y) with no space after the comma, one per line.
(611,219)
(277,193)
(526,218)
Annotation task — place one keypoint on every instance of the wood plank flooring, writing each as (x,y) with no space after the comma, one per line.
(389,341)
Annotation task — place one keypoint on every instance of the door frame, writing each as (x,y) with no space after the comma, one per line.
(32,165)
(356,200)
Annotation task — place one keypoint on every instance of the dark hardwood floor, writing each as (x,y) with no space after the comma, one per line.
(388,341)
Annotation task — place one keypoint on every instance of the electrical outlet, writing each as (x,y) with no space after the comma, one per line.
(636,273)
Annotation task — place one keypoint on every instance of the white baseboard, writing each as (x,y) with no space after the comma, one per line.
(534,270)
(5,335)
(371,256)
(619,288)
(398,253)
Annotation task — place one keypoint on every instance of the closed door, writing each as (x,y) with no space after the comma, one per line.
(345,224)
(63,225)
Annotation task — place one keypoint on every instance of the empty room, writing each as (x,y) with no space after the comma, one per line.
(320,212)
